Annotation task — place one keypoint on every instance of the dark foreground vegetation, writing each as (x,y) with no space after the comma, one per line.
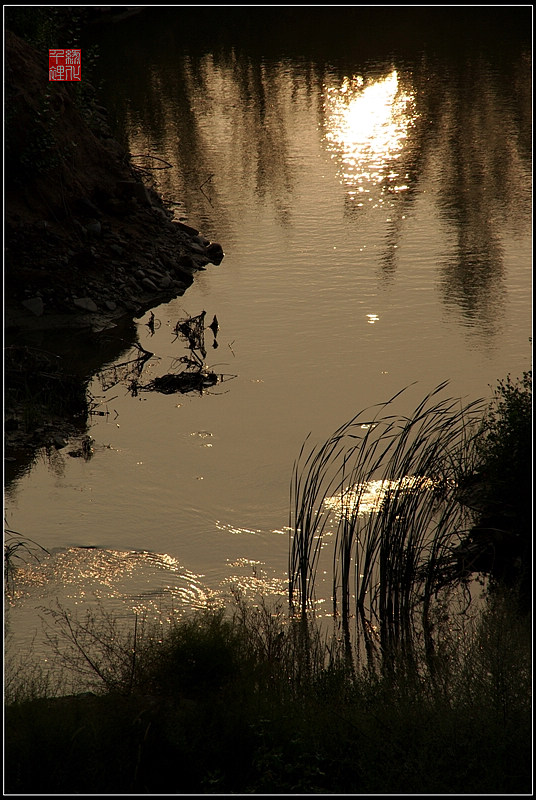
(249,700)
(252,704)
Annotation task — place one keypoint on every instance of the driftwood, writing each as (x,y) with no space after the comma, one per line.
(182,382)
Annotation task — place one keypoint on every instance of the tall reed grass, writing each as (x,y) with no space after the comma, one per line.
(392,557)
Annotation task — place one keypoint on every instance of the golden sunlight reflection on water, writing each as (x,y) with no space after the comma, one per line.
(369,497)
(153,586)
(130,582)
(247,577)
(366,128)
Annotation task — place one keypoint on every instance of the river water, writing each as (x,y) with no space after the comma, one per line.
(370,184)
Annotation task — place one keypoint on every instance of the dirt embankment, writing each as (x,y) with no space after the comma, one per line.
(88,243)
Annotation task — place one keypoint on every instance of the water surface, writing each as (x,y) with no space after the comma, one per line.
(372,194)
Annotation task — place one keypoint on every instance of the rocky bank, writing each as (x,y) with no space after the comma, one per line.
(88,241)
(84,234)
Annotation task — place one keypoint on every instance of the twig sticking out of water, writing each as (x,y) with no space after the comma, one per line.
(129,370)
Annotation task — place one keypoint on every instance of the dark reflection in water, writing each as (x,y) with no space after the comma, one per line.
(78,354)
(484,182)
(461,106)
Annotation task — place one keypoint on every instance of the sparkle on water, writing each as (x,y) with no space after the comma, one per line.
(366,127)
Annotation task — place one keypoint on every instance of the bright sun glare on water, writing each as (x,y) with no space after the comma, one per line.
(367,125)
(370,497)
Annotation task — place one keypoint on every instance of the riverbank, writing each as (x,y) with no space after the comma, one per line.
(88,242)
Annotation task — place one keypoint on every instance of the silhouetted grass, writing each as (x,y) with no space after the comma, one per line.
(18,549)
(248,701)
(389,483)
